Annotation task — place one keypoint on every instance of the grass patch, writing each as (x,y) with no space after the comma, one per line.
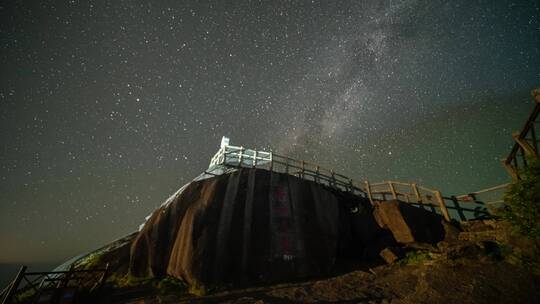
(92,260)
(27,295)
(415,258)
(129,280)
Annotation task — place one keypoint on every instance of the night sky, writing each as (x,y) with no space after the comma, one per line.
(107,108)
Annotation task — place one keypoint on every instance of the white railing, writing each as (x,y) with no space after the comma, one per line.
(233,156)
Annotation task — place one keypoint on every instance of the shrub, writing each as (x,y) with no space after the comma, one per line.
(414,258)
(522,202)
(172,285)
(91,261)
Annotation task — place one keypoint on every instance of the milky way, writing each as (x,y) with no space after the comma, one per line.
(106,108)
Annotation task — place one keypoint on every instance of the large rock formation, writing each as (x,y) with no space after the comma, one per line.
(252,225)
(409,224)
(256,226)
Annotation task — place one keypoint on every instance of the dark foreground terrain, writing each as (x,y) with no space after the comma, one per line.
(430,281)
(480,264)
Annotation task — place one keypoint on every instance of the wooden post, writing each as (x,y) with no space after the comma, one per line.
(533,135)
(536,95)
(527,148)
(407,198)
(392,189)
(442,205)
(368,191)
(14,285)
(417,194)
(511,169)
(458,208)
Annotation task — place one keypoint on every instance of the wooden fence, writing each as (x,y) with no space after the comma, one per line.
(526,143)
(52,286)
(416,195)
(479,203)
(232,156)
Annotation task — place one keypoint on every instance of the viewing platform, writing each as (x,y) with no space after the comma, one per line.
(230,157)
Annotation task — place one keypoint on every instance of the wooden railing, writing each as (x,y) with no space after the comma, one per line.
(234,157)
(407,192)
(35,287)
(479,203)
(231,156)
(526,142)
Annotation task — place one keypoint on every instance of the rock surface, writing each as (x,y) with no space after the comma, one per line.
(252,226)
(409,224)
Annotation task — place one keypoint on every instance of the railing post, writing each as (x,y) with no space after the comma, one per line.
(303,168)
(458,208)
(527,148)
(333,178)
(351,186)
(442,205)
(287,165)
(317,173)
(240,157)
(417,194)
(368,191)
(65,282)
(392,189)
(14,285)
(533,136)
(510,169)
(255,159)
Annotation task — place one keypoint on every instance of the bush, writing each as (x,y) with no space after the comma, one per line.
(172,285)
(415,258)
(91,261)
(522,202)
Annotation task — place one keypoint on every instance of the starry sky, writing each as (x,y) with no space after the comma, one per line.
(108,107)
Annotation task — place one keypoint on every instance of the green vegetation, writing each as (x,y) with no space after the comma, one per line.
(522,213)
(197,290)
(415,258)
(93,260)
(166,286)
(172,285)
(129,280)
(27,295)
(522,208)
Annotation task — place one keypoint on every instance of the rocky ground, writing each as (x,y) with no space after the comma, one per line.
(470,266)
